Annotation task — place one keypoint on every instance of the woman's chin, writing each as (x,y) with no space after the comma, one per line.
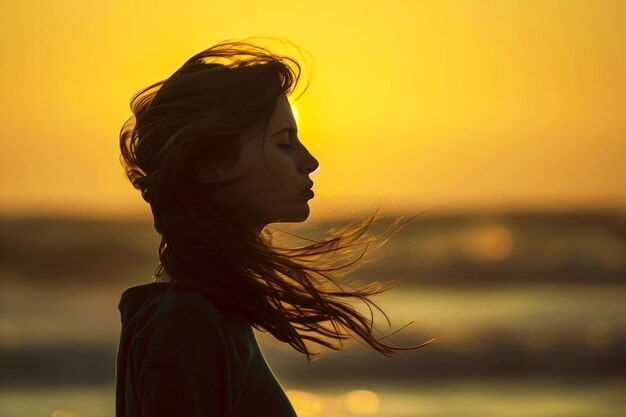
(295,215)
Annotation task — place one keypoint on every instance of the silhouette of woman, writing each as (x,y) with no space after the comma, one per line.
(214,150)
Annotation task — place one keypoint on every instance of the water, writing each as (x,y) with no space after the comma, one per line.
(544,321)
(521,309)
(452,399)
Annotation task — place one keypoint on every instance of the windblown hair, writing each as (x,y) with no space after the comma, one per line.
(196,116)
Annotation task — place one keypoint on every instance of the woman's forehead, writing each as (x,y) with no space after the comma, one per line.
(282,117)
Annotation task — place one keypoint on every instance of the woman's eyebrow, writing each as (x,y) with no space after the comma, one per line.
(286,129)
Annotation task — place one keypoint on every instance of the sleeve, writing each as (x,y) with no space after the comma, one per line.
(185,372)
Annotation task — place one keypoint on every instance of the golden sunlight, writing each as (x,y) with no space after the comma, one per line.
(362,402)
(497,104)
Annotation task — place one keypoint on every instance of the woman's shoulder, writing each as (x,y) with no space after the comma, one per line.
(187,298)
(189,308)
(187,330)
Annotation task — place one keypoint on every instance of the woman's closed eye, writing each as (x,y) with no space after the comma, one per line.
(285,145)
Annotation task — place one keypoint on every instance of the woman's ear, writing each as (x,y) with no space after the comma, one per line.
(216,165)
(221,173)
(208,173)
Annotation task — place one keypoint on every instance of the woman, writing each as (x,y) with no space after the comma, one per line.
(215,152)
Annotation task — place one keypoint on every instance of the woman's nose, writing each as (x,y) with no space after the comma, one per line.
(310,164)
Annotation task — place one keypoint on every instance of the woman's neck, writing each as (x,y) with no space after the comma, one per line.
(164,277)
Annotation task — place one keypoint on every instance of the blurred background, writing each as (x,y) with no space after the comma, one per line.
(504,121)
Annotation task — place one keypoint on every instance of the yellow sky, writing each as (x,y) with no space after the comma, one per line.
(412,103)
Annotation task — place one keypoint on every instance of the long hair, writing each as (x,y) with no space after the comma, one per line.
(196,115)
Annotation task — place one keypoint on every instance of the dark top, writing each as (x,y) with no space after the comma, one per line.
(180,356)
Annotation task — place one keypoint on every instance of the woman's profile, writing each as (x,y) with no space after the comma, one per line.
(214,150)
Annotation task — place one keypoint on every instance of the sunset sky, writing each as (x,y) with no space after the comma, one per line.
(411,103)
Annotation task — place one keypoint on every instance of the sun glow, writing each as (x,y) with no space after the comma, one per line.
(296,115)
(493,104)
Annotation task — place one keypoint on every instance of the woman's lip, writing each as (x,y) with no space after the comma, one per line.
(309,193)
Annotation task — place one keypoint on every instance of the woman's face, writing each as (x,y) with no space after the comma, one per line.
(274,173)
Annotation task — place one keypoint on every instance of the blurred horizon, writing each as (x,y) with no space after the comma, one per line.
(335,208)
